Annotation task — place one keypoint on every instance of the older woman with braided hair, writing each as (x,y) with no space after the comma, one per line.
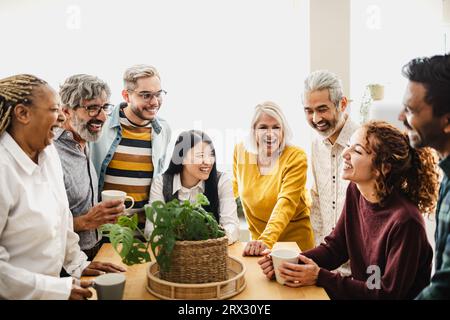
(381,229)
(36,231)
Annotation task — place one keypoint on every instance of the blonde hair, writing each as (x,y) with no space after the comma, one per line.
(272,109)
(134,73)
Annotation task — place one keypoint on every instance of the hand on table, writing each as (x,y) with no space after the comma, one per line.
(254,248)
(96,268)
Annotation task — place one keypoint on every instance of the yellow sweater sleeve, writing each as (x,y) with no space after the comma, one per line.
(235,184)
(293,180)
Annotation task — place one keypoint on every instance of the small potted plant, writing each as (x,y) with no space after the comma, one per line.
(188,243)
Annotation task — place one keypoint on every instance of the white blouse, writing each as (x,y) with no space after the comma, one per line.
(227,212)
(36,226)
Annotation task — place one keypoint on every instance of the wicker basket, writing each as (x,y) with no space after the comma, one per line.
(198,261)
(214,290)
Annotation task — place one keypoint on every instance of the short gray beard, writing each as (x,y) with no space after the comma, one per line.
(82,130)
(338,125)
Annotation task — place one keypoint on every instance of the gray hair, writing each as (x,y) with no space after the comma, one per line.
(272,109)
(132,74)
(324,79)
(82,87)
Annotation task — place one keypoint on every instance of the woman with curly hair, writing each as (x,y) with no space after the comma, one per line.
(381,229)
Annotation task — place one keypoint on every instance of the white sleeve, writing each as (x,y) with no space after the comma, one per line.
(75,260)
(19,283)
(228,209)
(156,194)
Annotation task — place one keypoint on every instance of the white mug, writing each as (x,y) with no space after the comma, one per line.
(116,195)
(282,255)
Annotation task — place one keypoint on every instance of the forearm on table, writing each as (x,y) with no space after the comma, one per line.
(281,216)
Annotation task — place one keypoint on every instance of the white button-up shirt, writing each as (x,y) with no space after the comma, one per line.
(227,211)
(36,227)
(328,190)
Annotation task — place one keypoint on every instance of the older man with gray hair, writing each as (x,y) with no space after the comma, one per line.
(324,106)
(85,104)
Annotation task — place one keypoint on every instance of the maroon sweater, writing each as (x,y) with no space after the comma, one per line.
(392,237)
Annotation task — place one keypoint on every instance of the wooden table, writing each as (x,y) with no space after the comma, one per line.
(258,286)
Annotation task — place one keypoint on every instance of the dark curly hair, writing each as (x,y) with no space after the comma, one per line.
(412,172)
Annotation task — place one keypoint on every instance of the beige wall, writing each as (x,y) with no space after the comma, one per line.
(330,38)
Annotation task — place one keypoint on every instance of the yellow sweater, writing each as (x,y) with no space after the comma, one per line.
(276,205)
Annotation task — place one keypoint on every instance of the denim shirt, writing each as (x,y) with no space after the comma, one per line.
(102,151)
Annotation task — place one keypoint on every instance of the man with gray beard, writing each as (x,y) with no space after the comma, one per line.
(85,103)
(324,106)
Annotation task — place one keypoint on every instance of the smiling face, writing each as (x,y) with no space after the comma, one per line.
(321,113)
(80,123)
(45,117)
(199,161)
(268,134)
(423,128)
(143,108)
(358,160)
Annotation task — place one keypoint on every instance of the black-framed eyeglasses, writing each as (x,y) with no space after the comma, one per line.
(148,96)
(94,110)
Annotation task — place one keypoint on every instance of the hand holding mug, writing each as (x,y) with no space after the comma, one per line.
(117,195)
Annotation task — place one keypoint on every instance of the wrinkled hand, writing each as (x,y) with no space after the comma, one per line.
(254,248)
(266,264)
(104,212)
(80,290)
(298,275)
(96,268)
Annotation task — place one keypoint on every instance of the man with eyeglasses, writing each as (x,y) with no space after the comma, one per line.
(85,104)
(132,151)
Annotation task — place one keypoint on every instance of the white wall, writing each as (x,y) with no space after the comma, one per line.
(217,59)
(330,38)
(385,35)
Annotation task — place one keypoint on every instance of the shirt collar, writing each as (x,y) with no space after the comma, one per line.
(178,186)
(20,156)
(445,165)
(66,137)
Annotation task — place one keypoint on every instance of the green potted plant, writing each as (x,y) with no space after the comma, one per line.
(188,243)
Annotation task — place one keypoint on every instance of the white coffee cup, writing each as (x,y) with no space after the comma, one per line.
(282,255)
(116,195)
(109,286)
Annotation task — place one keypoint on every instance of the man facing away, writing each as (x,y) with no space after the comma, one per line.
(426,116)
(324,107)
(133,148)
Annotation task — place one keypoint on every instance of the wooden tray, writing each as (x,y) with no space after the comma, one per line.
(212,291)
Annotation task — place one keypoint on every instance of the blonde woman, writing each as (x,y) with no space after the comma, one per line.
(269,177)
